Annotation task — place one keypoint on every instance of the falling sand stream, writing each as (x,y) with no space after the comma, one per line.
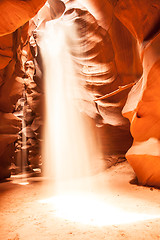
(70,146)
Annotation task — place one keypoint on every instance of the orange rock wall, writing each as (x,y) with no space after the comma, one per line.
(13,38)
(15,13)
(142,19)
(144,116)
(11,88)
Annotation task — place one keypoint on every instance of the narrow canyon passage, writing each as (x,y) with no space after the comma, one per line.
(79,120)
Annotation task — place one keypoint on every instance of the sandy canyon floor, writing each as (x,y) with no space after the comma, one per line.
(104,206)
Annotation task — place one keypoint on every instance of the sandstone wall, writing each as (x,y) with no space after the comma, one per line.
(13,54)
(142,20)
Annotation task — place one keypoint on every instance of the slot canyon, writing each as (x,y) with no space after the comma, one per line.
(79,123)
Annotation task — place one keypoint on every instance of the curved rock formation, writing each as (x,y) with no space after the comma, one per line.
(142,19)
(13,38)
(10,91)
(16,13)
(142,107)
(144,116)
(101,60)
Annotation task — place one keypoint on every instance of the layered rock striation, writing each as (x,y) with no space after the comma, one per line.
(13,55)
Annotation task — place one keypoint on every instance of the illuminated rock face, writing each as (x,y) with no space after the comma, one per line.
(144,155)
(105,60)
(142,19)
(143,105)
(101,69)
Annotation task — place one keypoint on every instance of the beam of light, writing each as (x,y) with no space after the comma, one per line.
(92,209)
(69,144)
